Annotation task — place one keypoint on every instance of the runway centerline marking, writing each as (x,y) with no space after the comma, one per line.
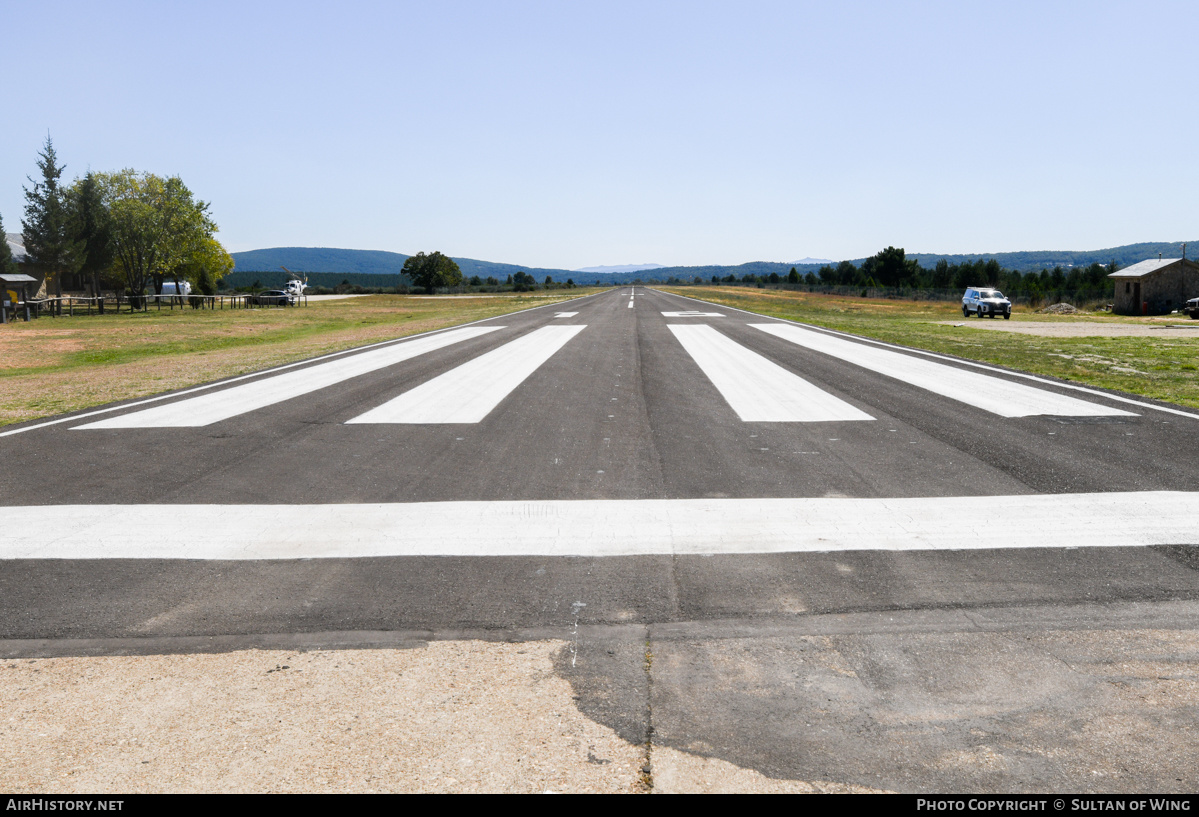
(595,528)
(468,393)
(221,405)
(565,314)
(993,394)
(758,389)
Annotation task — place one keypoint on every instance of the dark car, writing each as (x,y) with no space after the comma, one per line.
(271,297)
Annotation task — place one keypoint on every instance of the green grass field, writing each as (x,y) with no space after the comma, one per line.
(55,365)
(1160,367)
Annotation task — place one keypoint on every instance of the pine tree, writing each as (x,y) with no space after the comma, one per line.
(93,230)
(49,242)
(7,265)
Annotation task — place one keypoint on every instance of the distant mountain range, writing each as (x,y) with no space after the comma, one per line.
(621,268)
(358,265)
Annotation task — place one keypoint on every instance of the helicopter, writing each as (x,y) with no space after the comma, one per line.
(295,286)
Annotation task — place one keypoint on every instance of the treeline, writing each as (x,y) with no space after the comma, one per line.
(439,277)
(891,269)
(125,230)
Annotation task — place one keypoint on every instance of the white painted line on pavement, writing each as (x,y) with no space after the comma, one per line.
(221,405)
(565,314)
(469,392)
(1002,397)
(758,389)
(692,315)
(596,527)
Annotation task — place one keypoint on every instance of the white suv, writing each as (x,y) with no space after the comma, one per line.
(983,301)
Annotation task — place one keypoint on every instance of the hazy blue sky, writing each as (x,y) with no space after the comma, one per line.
(569,134)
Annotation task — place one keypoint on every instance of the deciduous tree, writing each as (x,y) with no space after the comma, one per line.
(156,225)
(432,270)
(204,265)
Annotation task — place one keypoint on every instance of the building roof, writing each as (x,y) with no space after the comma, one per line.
(17,245)
(1146,267)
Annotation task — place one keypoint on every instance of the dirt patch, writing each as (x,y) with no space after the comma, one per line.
(454,716)
(1060,309)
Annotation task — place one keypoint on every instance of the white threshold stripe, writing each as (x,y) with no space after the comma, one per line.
(758,389)
(469,392)
(592,528)
(221,405)
(962,362)
(1002,397)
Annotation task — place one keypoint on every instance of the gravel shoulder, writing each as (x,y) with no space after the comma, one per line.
(1082,329)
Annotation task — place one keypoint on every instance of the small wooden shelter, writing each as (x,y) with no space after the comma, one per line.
(13,295)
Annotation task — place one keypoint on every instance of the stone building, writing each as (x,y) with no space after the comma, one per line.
(1155,287)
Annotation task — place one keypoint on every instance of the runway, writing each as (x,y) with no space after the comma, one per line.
(632,460)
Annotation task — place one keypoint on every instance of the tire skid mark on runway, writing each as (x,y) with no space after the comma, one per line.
(596,528)
(757,389)
(470,392)
(222,405)
(993,394)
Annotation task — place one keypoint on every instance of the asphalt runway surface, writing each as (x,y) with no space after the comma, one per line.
(813,555)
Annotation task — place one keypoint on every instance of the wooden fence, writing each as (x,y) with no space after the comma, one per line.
(83,304)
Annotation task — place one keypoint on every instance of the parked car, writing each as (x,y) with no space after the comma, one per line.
(983,301)
(271,297)
(1192,309)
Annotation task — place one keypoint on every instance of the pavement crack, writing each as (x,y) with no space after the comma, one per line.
(966,614)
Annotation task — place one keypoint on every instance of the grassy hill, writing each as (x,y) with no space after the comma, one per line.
(1029,261)
(367,262)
